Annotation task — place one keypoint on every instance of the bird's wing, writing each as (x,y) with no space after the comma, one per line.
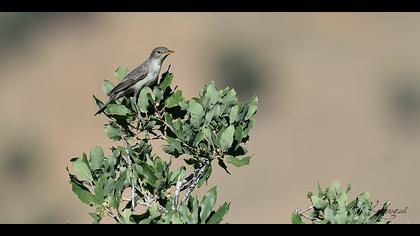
(132,78)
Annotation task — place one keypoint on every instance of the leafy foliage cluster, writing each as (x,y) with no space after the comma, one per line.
(132,184)
(333,207)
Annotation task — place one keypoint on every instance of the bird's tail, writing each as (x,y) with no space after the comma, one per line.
(112,98)
(101,110)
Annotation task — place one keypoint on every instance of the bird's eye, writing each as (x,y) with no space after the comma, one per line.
(159,52)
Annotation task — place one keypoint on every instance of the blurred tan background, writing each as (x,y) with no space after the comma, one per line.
(339,99)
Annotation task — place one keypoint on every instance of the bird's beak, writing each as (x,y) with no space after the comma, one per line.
(170,52)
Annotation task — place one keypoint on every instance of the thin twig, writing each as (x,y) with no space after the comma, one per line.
(305,210)
(149,198)
(302,213)
(142,203)
(142,190)
(157,137)
(125,199)
(306,217)
(111,214)
(133,191)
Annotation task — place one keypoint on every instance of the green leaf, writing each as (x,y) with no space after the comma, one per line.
(96,158)
(107,86)
(121,181)
(169,212)
(223,165)
(73,178)
(341,216)
(332,191)
(251,124)
(154,211)
(158,93)
(126,216)
(174,143)
(364,196)
(174,99)
(115,201)
(210,114)
(220,213)
(342,199)
(351,205)
(238,162)
(194,212)
(212,94)
(183,105)
(139,219)
(335,186)
(96,218)
(113,132)
(158,165)
(296,219)
(171,150)
(82,193)
(184,213)
(145,221)
(230,97)
(117,109)
(198,138)
(238,136)
(82,169)
(177,128)
(85,160)
(166,81)
(174,127)
(233,114)
(207,203)
(168,118)
(329,215)
(143,100)
(207,133)
(319,203)
(121,72)
(174,176)
(217,110)
(175,219)
(226,139)
(109,186)
(252,107)
(150,175)
(197,113)
(99,189)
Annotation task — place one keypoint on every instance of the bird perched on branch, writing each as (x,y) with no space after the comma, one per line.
(144,75)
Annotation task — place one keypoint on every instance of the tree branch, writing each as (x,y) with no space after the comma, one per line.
(178,187)
(198,173)
(111,214)
(133,190)
(305,210)
(302,213)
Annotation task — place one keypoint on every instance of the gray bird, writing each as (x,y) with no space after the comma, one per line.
(144,75)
